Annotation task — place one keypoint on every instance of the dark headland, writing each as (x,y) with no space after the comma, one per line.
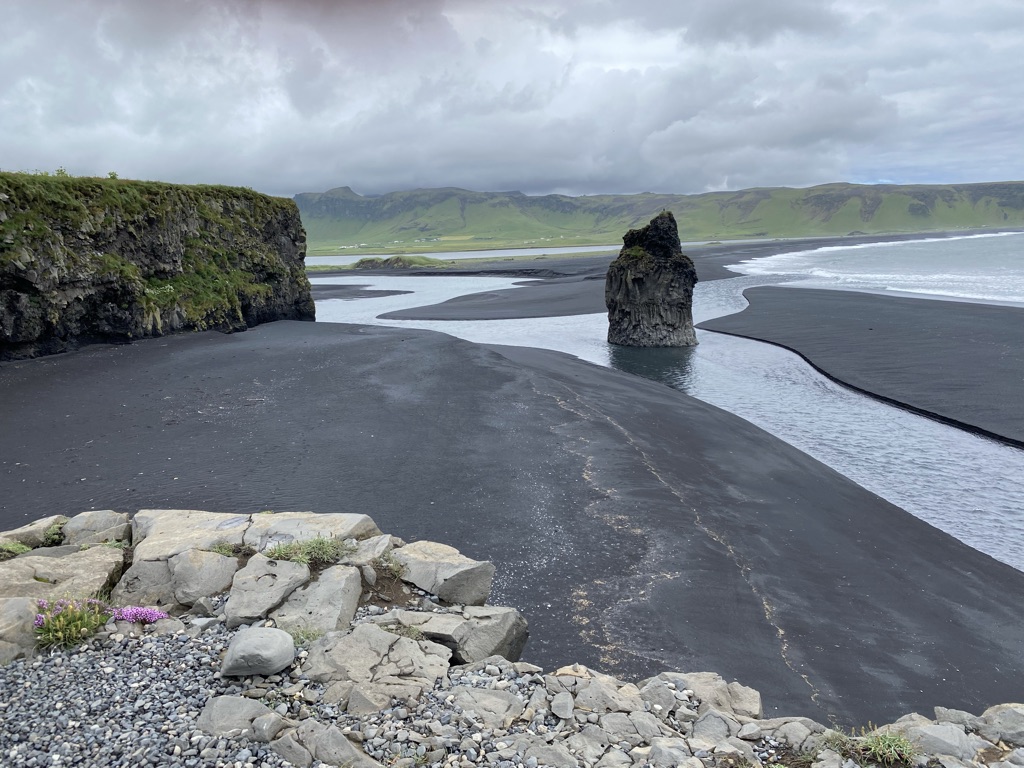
(637,529)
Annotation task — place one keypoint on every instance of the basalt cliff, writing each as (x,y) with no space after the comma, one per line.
(649,288)
(107,260)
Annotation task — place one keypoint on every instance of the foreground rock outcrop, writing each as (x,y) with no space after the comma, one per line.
(424,683)
(649,288)
(85,260)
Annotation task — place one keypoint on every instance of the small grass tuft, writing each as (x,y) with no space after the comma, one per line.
(232,550)
(887,748)
(839,743)
(318,552)
(9,549)
(54,535)
(387,567)
(223,548)
(305,635)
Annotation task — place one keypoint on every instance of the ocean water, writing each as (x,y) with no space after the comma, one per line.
(987,268)
(969,486)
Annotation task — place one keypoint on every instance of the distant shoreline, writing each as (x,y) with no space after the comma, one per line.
(574,285)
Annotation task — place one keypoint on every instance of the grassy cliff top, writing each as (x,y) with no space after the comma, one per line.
(451,219)
(68,193)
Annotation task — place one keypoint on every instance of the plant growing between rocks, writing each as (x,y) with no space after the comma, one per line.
(9,549)
(890,749)
(54,535)
(318,552)
(233,550)
(387,567)
(303,636)
(65,622)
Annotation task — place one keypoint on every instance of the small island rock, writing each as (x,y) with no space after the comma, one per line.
(649,288)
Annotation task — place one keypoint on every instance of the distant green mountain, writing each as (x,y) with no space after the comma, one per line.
(426,220)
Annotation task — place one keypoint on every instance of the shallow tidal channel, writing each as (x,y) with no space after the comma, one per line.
(966,485)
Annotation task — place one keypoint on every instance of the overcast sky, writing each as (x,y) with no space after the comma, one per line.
(573,96)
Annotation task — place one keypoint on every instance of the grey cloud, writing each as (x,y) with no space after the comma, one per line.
(538,95)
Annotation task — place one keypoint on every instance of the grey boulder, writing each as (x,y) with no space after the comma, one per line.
(33,534)
(445,572)
(476,634)
(1003,722)
(230,715)
(97,526)
(258,651)
(941,740)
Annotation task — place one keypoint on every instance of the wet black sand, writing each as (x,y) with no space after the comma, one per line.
(637,528)
(960,362)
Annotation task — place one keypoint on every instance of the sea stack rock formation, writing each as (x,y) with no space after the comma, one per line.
(109,260)
(649,288)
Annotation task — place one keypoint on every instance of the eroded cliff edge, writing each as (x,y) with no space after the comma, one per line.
(105,260)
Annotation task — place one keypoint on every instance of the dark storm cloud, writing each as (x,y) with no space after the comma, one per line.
(538,95)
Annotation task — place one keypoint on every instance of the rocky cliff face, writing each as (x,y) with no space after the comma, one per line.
(649,288)
(104,260)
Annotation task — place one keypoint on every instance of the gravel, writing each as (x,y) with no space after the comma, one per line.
(121,701)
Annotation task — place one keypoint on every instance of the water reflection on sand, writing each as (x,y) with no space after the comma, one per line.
(966,485)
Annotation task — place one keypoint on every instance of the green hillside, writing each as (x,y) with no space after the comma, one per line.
(451,219)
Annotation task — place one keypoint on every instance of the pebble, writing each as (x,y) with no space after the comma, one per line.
(121,702)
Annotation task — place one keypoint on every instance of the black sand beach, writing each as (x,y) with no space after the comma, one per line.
(575,285)
(960,362)
(638,529)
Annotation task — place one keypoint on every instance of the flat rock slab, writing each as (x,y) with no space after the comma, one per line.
(329,745)
(80,574)
(368,656)
(445,572)
(267,530)
(198,573)
(495,709)
(224,715)
(96,526)
(146,582)
(261,587)
(160,534)
(327,604)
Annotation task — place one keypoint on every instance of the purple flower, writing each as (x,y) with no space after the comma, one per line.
(135,614)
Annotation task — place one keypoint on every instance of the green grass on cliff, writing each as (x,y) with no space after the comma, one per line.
(62,229)
(450,219)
